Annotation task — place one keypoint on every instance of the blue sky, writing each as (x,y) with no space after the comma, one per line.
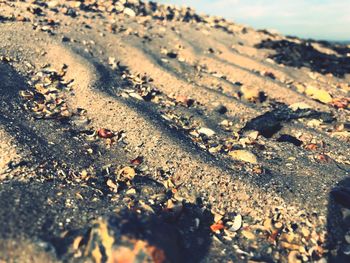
(319,19)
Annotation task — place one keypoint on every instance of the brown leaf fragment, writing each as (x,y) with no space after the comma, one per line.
(340,103)
(323,158)
(217,226)
(269,74)
(311,146)
(105,133)
(184,100)
(137,161)
(21,18)
(273,236)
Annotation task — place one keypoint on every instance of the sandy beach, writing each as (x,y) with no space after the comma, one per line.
(138,132)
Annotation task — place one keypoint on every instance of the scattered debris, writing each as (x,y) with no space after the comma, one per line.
(160,213)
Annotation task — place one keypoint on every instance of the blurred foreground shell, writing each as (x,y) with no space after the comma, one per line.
(129,237)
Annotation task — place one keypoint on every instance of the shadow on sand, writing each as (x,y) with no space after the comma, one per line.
(339,222)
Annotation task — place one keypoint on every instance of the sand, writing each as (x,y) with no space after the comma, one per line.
(241,122)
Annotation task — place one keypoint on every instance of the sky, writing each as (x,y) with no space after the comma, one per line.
(318,19)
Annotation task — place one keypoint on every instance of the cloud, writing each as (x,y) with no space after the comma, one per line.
(307,18)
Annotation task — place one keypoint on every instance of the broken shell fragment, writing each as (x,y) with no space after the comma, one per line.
(236,224)
(126,174)
(112,185)
(299,106)
(243,155)
(129,12)
(206,131)
(318,94)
